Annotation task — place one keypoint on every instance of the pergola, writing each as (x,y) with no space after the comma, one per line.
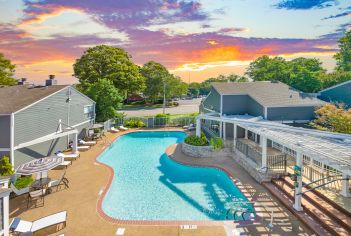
(331,149)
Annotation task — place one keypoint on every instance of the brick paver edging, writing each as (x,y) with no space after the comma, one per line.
(144,222)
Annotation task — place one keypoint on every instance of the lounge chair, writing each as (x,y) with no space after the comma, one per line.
(35,196)
(65,164)
(71,155)
(89,143)
(114,130)
(18,192)
(22,226)
(123,128)
(83,148)
(58,182)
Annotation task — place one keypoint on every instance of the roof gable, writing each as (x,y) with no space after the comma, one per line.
(14,98)
(268,94)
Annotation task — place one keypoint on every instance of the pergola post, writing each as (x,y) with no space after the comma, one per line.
(198,127)
(298,189)
(220,129)
(246,133)
(75,143)
(264,152)
(345,185)
(235,130)
(224,130)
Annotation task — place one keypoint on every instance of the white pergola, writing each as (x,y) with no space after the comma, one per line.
(331,149)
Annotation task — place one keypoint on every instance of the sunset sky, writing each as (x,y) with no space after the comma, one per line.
(194,39)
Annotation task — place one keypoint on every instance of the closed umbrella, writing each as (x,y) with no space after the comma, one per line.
(39,165)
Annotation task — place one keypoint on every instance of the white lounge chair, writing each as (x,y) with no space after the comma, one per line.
(114,130)
(83,148)
(19,192)
(71,155)
(66,164)
(123,128)
(22,226)
(89,143)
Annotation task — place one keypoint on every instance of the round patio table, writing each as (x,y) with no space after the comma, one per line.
(40,183)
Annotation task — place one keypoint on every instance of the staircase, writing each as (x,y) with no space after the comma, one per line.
(333,218)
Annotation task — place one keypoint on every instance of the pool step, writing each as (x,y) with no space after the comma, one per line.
(315,209)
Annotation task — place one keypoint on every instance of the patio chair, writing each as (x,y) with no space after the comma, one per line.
(71,155)
(83,148)
(123,128)
(18,192)
(65,164)
(89,143)
(58,182)
(22,226)
(114,130)
(36,196)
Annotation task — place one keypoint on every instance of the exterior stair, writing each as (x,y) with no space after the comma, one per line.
(335,220)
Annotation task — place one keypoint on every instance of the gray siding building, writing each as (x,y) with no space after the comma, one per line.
(33,120)
(340,93)
(271,100)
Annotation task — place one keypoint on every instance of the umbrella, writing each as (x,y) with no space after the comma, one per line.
(39,165)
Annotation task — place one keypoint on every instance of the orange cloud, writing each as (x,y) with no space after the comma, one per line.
(212,42)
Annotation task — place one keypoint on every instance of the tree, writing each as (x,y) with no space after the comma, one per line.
(114,64)
(305,74)
(334,78)
(107,99)
(175,87)
(334,118)
(194,88)
(265,68)
(7,69)
(154,74)
(343,57)
(205,86)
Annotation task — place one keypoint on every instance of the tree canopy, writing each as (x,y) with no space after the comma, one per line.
(114,64)
(7,69)
(343,57)
(107,98)
(156,76)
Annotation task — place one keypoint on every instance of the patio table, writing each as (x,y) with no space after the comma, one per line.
(40,183)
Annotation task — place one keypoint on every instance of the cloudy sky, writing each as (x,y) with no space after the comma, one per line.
(194,39)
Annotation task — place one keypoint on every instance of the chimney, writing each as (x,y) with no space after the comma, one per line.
(22,81)
(51,81)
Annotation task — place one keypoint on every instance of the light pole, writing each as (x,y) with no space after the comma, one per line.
(164,95)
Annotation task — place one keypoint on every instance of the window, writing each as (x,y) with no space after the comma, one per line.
(89,111)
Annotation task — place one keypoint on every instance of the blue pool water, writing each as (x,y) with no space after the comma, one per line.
(147,185)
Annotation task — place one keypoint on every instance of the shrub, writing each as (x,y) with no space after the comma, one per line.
(134,123)
(196,141)
(216,143)
(23,182)
(5,166)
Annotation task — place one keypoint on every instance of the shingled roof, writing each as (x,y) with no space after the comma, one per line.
(14,98)
(269,94)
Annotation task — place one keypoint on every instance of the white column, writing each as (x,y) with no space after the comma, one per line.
(246,133)
(264,152)
(345,186)
(220,129)
(255,138)
(235,131)
(298,190)
(75,143)
(198,127)
(6,210)
(224,130)
(12,139)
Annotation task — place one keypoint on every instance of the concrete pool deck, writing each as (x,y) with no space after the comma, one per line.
(88,179)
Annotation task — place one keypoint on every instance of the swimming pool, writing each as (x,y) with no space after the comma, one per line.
(147,185)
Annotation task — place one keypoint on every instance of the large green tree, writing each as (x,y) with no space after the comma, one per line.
(194,88)
(156,77)
(7,69)
(107,98)
(266,68)
(154,74)
(305,74)
(343,57)
(205,86)
(111,63)
(334,78)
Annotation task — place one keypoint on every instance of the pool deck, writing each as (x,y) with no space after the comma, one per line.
(88,182)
